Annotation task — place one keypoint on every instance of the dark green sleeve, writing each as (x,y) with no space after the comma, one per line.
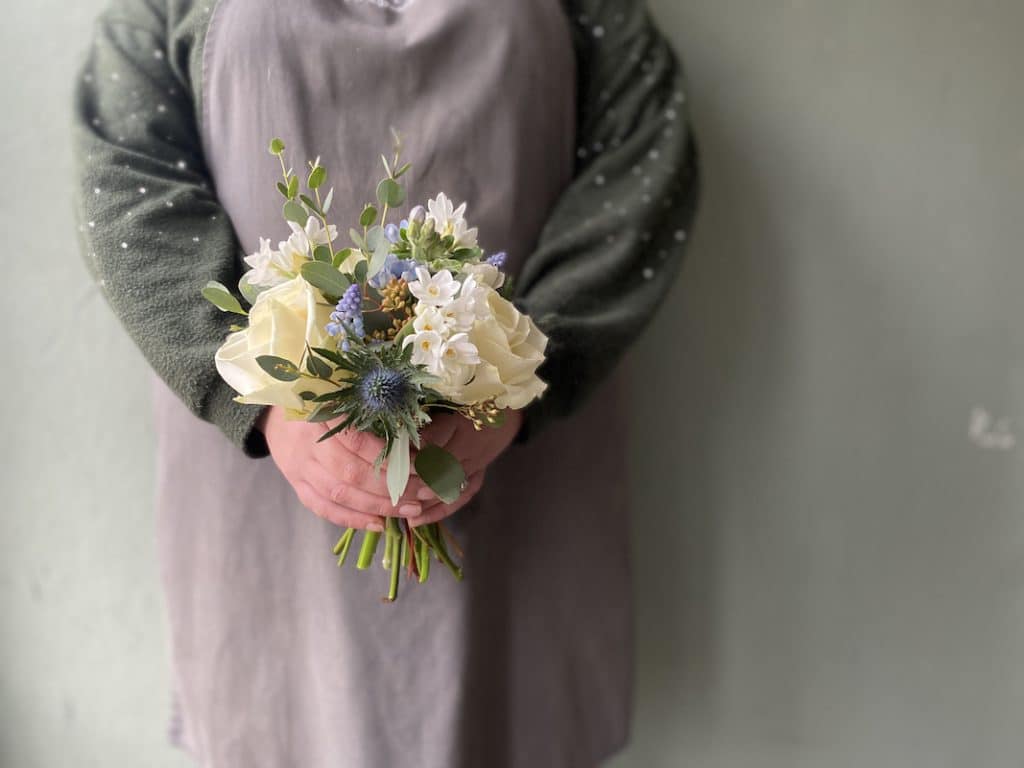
(614,242)
(152,229)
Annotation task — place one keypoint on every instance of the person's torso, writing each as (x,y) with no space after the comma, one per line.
(481,91)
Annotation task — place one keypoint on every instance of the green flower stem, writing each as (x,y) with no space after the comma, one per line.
(437,545)
(394,536)
(343,545)
(368,550)
(422,559)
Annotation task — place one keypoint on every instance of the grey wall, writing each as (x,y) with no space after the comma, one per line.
(828,484)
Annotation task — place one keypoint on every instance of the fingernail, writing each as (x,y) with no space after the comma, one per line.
(425,494)
(409,510)
(375,527)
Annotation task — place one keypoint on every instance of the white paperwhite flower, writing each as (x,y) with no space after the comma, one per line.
(459,350)
(459,314)
(429,318)
(427,348)
(270,267)
(305,239)
(449,220)
(434,290)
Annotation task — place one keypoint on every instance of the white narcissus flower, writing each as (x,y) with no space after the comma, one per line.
(429,318)
(449,220)
(434,290)
(305,239)
(269,267)
(282,321)
(459,350)
(426,350)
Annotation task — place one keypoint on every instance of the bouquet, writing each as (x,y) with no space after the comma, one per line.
(401,321)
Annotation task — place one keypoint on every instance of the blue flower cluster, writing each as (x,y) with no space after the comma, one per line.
(394,267)
(348,315)
(497,259)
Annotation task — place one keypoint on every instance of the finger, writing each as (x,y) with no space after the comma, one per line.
(352,469)
(327,484)
(365,445)
(441,429)
(341,516)
(441,511)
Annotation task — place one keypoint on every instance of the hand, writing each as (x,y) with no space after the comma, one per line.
(335,479)
(475,450)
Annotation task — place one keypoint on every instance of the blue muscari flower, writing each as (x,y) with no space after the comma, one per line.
(384,389)
(348,315)
(497,259)
(391,232)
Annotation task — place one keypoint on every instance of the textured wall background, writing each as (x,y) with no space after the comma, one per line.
(828,528)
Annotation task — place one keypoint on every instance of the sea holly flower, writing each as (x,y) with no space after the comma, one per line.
(449,220)
(435,290)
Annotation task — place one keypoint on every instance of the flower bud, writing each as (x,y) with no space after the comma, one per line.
(417,214)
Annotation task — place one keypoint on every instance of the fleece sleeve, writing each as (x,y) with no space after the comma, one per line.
(614,242)
(152,229)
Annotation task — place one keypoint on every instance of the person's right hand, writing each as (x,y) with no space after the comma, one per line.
(335,479)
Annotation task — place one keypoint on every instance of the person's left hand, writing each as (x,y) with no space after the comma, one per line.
(475,450)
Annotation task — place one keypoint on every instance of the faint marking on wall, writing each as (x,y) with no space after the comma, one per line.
(988,433)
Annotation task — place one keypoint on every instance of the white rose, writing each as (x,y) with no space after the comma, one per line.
(485,274)
(281,322)
(511,348)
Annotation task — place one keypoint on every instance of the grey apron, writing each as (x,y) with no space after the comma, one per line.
(280,659)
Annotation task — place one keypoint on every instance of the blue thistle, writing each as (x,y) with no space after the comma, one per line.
(384,389)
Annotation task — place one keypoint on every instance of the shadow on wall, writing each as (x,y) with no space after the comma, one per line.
(706,383)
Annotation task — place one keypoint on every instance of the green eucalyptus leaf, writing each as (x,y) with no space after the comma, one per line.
(360,272)
(318,367)
(295,212)
(293,187)
(278,367)
(368,216)
(249,291)
(326,278)
(379,244)
(398,466)
(222,298)
(441,472)
(307,395)
(405,331)
(340,256)
(401,171)
(390,193)
(357,238)
(322,253)
(310,204)
(282,189)
(276,147)
(317,177)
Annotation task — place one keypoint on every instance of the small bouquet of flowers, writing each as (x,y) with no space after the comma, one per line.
(407,319)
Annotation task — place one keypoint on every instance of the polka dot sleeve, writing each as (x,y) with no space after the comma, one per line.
(152,231)
(614,242)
